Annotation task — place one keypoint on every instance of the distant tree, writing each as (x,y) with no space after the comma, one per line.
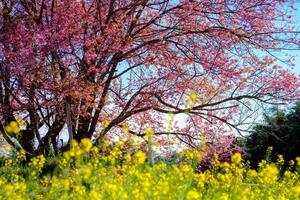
(281,131)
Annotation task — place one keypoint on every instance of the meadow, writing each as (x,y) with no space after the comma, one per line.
(120,172)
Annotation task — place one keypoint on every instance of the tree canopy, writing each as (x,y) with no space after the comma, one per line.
(120,66)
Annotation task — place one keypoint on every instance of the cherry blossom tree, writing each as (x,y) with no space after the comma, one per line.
(100,67)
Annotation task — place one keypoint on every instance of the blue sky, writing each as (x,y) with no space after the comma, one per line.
(296,19)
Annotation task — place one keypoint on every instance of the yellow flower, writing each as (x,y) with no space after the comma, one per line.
(252,173)
(95,195)
(74,144)
(262,164)
(85,173)
(192,155)
(21,122)
(38,162)
(125,128)
(8,129)
(291,164)
(21,155)
(296,190)
(111,187)
(127,157)
(7,148)
(193,96)
(269,174)
(269,149)
(225,165)
(12,127)
(16,130)
(105,123)
(149,132)
(13,124)
(67,155)
(8,163)
(79,190)
(203,139)
(95,150)
(236,158)
(2,181)
(224,196)
(192,194)
(280,159)
(78,152)
(20,186)
(86,144)
(66,184)
(186,169)
(140,157)
(298,161)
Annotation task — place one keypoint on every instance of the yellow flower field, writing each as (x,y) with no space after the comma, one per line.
(88,172)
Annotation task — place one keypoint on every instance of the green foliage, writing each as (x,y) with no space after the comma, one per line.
(281,131)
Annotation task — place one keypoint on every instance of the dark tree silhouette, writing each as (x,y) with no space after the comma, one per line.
(281,130)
